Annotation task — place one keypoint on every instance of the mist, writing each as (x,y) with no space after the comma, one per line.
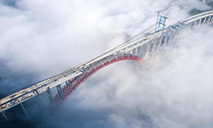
(172,88)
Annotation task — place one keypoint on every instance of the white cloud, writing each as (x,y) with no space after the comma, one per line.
(171,89)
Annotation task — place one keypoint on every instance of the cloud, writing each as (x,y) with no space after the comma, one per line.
(40,38)
(172,88)
(43,38)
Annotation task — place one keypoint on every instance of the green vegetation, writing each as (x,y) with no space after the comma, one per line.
(195,11)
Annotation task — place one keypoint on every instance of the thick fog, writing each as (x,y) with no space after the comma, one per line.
(172,88)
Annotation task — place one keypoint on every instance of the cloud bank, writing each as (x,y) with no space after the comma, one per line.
(172,88)
(41,38)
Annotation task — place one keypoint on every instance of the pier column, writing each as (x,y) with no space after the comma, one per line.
(143,50)
(50,95)
(4,115)
(139,52)
(69,84)
(40,103)
(122,55)
(134,52)
(60,90)
(25,112)
(128,54)
(155,44)
(167,38)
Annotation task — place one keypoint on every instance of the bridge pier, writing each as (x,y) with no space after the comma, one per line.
(40,103)
(50,95)
(108,60)
(122,55)
(4,115)
(138,51)
(199,22)
(94,65)
(144,48)
(211,19)
(134,52)
(193,24)
(148,46)
(151,46)
(162,40)
(172,34)
(204,20)
(25,112)
(97,64)
(127,53)
(119,55)
(155,44)
(116,57)
(69,84)
(167,38)
(102,62)
(130,53)
(207,20)
(60,91)
(196,23)
(78,78)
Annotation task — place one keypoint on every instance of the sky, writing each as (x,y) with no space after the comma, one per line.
(172,88)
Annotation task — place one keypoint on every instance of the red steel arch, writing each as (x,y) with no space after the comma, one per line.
(68,91)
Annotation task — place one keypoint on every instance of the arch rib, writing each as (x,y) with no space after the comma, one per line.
(67,91)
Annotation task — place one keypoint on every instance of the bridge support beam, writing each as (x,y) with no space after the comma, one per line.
(78,78)
(208,19)
(50,95)
(195,23)
(128,54)
(25,112)
(116,57)
(155,44)
(199,21)
(134,52)
(40,103)
(205,19)
(86,73)
(60,90)
(69,84)
(122,55)
(139,51)
(211,19)
(173,34)
(167,38)
(144,48)
(149,47)
(4,115)
(94,66)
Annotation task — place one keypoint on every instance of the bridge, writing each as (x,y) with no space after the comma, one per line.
(136,49)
